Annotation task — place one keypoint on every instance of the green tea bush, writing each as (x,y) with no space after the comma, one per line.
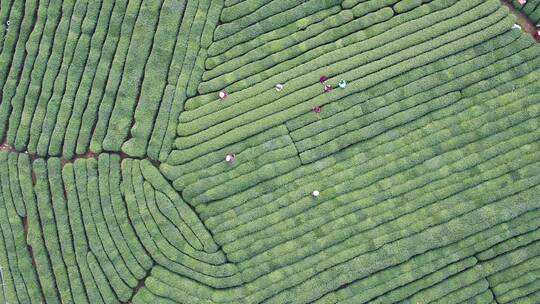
(182,71)
(176,210)
(80,244)
(132,76)
(107,211)
(366,7)
(89,117)
(119,206)
(458,284)
(65,237)
(204,185)
(14,184)
(238,10)
(280,33)
(504,280)
(266,10)
(381,259)
(531,9)
(48,226)
(35,238)
(17,37)
(157,246)
(14,12)
(154,78)
(84,177)
(406,5)
(417,181)
(311,92)
(44,71)
(429,75)
(102,289)
(44,124)
(103,235)
(229,37)
(18,265)
(317,32)
(31,46)
(106,98)
(69,131)
(253,154)
(328,54)
(75,78)
(277,56)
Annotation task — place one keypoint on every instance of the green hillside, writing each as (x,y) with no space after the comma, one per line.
(269,151)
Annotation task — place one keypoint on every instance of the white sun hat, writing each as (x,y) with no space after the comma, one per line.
(230,157)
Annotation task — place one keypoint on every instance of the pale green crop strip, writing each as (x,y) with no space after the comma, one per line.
(17,101)
(52,42)
(8,83)
(45,124)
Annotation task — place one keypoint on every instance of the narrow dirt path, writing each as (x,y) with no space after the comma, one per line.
(523,20)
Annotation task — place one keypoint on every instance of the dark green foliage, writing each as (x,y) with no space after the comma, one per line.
(132,76)
(105,96)
(44,70)
(155,76)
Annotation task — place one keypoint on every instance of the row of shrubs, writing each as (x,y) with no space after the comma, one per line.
(531,9)
(253,61)
(254,267)
(434,266)
(373,260)
(95,229)
(49,72)
(221,219)
(447,274)
(219,210)
(276,14)
(184,74)
(284,70)
(457,77)
(416,81)
(237,73)
(516,106)
(19,278)
(276,34)
(144,214)
(70,81)
(264,236)
(238,80)
(332,57)
(288,107)
(318,217)
(382,30)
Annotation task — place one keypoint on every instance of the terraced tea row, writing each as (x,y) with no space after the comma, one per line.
(94,74)
(531,9)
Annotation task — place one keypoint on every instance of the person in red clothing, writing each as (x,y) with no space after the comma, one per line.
(536,35)
(327,87)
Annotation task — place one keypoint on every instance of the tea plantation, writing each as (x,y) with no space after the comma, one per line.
(269,151)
